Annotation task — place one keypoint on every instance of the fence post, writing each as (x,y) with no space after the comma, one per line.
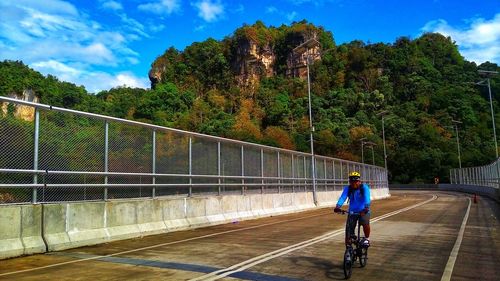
(262,170)
(153,192)
(324,175)
(341,174)
(497,174)
(313,171)
(333,174)
(106,156)
(190,166)
(293,174)
(279,172)
(305,174)
(242,170)
(35,157)
(218,167)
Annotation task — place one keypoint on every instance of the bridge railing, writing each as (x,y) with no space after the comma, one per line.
(487,175)
(51,154)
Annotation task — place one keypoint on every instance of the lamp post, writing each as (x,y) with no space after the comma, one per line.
(362,140)
(383,113)
(455,124)
(481,83)
(311,130)
(371,145)
(307,45)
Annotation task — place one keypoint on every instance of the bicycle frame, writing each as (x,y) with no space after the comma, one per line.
(351,253)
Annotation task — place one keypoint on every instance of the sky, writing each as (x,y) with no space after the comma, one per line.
(102,44)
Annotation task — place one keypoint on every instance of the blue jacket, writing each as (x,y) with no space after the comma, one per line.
(357,200)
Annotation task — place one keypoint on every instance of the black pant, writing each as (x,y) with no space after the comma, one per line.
(351,221)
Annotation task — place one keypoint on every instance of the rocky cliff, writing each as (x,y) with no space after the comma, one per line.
(23,112)
(252,53)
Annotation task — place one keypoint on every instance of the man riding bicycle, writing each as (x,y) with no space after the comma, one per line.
(359,207)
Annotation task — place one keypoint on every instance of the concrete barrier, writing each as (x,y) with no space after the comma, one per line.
(24,229)
(150,217)
(20,230)
(244,207)
(257,205)
(213,208)
(196,214)
(380,193)
(54,227)
(304,201)
(230,207)
(174,213)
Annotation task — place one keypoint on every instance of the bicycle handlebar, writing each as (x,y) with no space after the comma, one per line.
(343,212)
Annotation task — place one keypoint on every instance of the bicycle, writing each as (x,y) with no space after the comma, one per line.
(359,251)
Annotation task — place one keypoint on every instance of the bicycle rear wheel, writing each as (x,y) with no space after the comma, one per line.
(363,258)
(348,260)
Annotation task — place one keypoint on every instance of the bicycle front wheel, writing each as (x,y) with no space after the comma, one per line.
(348,259)
(363,258)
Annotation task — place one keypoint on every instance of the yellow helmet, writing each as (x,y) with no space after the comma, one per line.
(354,175)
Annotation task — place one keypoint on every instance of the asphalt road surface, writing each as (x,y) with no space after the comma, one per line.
(419,235)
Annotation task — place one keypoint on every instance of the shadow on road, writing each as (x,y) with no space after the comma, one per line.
(333,269)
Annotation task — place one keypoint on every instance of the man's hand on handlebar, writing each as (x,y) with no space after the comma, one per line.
(337,210)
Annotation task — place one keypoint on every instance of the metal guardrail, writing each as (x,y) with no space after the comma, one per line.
(488,175)
(52,154)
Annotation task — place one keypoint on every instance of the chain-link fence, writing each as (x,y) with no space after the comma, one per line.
(488,175)
(50,154)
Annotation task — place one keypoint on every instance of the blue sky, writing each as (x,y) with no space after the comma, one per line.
(108,43)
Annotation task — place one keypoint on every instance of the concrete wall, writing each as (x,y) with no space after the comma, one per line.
(23,228)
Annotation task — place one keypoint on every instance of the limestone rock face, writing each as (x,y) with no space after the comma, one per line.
(253,62)
(252,58)
(23,112)
(154,75)
(297,61)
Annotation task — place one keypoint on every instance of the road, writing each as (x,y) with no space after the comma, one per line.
(414,234)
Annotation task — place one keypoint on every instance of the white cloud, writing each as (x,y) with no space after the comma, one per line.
(271,10)
(156,27)
(239,9)
(291,16)
(49,6)
(479,41)
(209,11)
(112,5)
(133,25)
(54,37)
(200,28)
(161,7)
(39,34)
(316,3)
(94,81)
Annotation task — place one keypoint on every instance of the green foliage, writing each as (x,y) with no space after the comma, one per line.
(422,83)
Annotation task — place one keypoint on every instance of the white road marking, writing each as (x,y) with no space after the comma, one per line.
(454,252)
(159,245)
(280,252)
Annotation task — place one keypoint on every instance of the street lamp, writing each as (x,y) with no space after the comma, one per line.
(481,83)
(383,113)
(307,45)
(371,145)
(455,124)
(362,150)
